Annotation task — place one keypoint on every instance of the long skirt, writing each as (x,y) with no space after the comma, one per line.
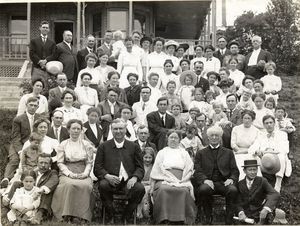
(72,197)
(174,204)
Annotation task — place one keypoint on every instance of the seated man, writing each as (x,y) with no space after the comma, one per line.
(119,168)
(216,173)
(257,198)
(159,123)
(57,131)
(47,180)
(143,136)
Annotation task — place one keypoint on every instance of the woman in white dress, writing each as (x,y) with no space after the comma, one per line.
(171,46)
(103,68)
(87,97)
(169,76)
(37,88)
(242,137)
(156,59)
(128,62)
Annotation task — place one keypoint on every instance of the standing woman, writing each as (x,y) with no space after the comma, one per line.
(145,43)
(87,97)
(199,55)
(170,184)
(68,98)
(169,76)
(103,68)
(128,62)
(37,88)
(71,200)
(171,46)
(156,59)
(181,50)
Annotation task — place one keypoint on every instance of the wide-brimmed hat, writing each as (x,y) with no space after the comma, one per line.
(279,217)
(146,38)
(250,163)
(184,74)
(171,43)
(270,163)
(185,46)
(54,67)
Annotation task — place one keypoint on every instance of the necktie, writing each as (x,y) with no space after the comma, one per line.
(143,146)
(230,113)
(143,107)
(31,121)
(44,40)
(162,121)
(249,184)
(56,132)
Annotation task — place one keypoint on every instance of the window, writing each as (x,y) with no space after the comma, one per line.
(18,25)
(118,20)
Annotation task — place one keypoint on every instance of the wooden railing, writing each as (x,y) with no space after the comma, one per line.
(13,47)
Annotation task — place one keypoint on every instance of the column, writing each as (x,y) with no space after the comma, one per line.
(78,26)
(28,28)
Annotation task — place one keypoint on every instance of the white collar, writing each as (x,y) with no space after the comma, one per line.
(110,103)
(46,36)
(119,145)
(212,147)
(29,115)
(69,44)
(162,115)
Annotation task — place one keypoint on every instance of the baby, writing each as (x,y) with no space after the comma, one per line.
(218,117)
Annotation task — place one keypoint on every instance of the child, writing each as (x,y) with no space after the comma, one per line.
(25,201)
(235,74)
(172,97)
(143,209)
(176,113)
(224,75)
(188,80)
(118,46)
(29,156)
(218,117)
(209,96)
(199,102)
(213,79)
(191,143)
(224,86)
(272,83)
(270,104)
(282,122)
(246,101)
(191,120)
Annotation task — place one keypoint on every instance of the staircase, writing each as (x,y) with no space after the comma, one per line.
(9,92)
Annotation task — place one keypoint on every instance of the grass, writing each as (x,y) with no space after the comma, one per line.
(290,194)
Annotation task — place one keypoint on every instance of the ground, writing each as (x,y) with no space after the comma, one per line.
(290,194)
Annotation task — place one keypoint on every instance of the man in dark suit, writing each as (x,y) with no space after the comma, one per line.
(257,198)
(56,130)
(41,51)
(67,56)
(202,128)
(222,51)
(159,123)
(143,136)
(216,173)
(119,167)
(109,109)
(201,81)
(256,60)
(47,181)
(81,54)
(234,116)
(106,48)
(21,129)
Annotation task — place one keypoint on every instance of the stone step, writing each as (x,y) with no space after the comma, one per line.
(9,104)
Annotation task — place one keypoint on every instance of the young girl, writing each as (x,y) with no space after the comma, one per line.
(218,117)
(246,101)
(270,104)
(199,102)
(209,97)
(25,201)
(143,209)
(126,113)
(173,98)
(272,83)
(191,143)
(213,79)
(235,74)
(188,80)
(176,113)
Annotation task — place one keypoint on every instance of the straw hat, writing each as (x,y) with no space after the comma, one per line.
(250,163)
(184,74)
(171,43)
(270,163)
(54,67)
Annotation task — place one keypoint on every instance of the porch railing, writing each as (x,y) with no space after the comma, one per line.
(13,47)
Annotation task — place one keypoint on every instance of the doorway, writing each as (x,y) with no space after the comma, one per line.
(60,27)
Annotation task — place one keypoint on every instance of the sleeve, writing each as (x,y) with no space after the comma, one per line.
(254,147)
(235,173)
(139,166)
(89,160)
(32,53)
(234,135)
(278,86)
(217,65)
(61,159)
(16,135)
(282,144)
(22,105)
(272,196)
(51,57)
(139,69)
(120,63)
(78,83)
(23,160)
(12,202)
(199,175)
(36,202)
(153,126)
(99,169)
(53,180)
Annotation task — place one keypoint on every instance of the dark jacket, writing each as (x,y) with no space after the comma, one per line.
(109,157)
(204,165)
(133,94)
(90,134)
(148,144)
(64,134)
(218,55)
(203,83)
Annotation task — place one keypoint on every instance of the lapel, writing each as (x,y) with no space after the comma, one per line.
(107,106)
(159,119)
(25,121)
(260,55)
(66,47)
(99,131)
(43,178)
(51,132)
(255,185)
(243,187)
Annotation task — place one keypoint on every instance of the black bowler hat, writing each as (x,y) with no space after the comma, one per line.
(146,38)
(250,163)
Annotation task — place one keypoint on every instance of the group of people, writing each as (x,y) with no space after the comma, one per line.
(166,131)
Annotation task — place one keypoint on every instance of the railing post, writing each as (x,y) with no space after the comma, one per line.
(28,29)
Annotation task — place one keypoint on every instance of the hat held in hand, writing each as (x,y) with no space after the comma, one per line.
(54,67)
(270,163)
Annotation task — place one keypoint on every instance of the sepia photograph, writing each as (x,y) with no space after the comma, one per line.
(149,112)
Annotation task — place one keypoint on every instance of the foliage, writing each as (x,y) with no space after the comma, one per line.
(278,30)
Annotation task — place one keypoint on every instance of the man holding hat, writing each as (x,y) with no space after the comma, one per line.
(234,52)
(272,146)
(257,198)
